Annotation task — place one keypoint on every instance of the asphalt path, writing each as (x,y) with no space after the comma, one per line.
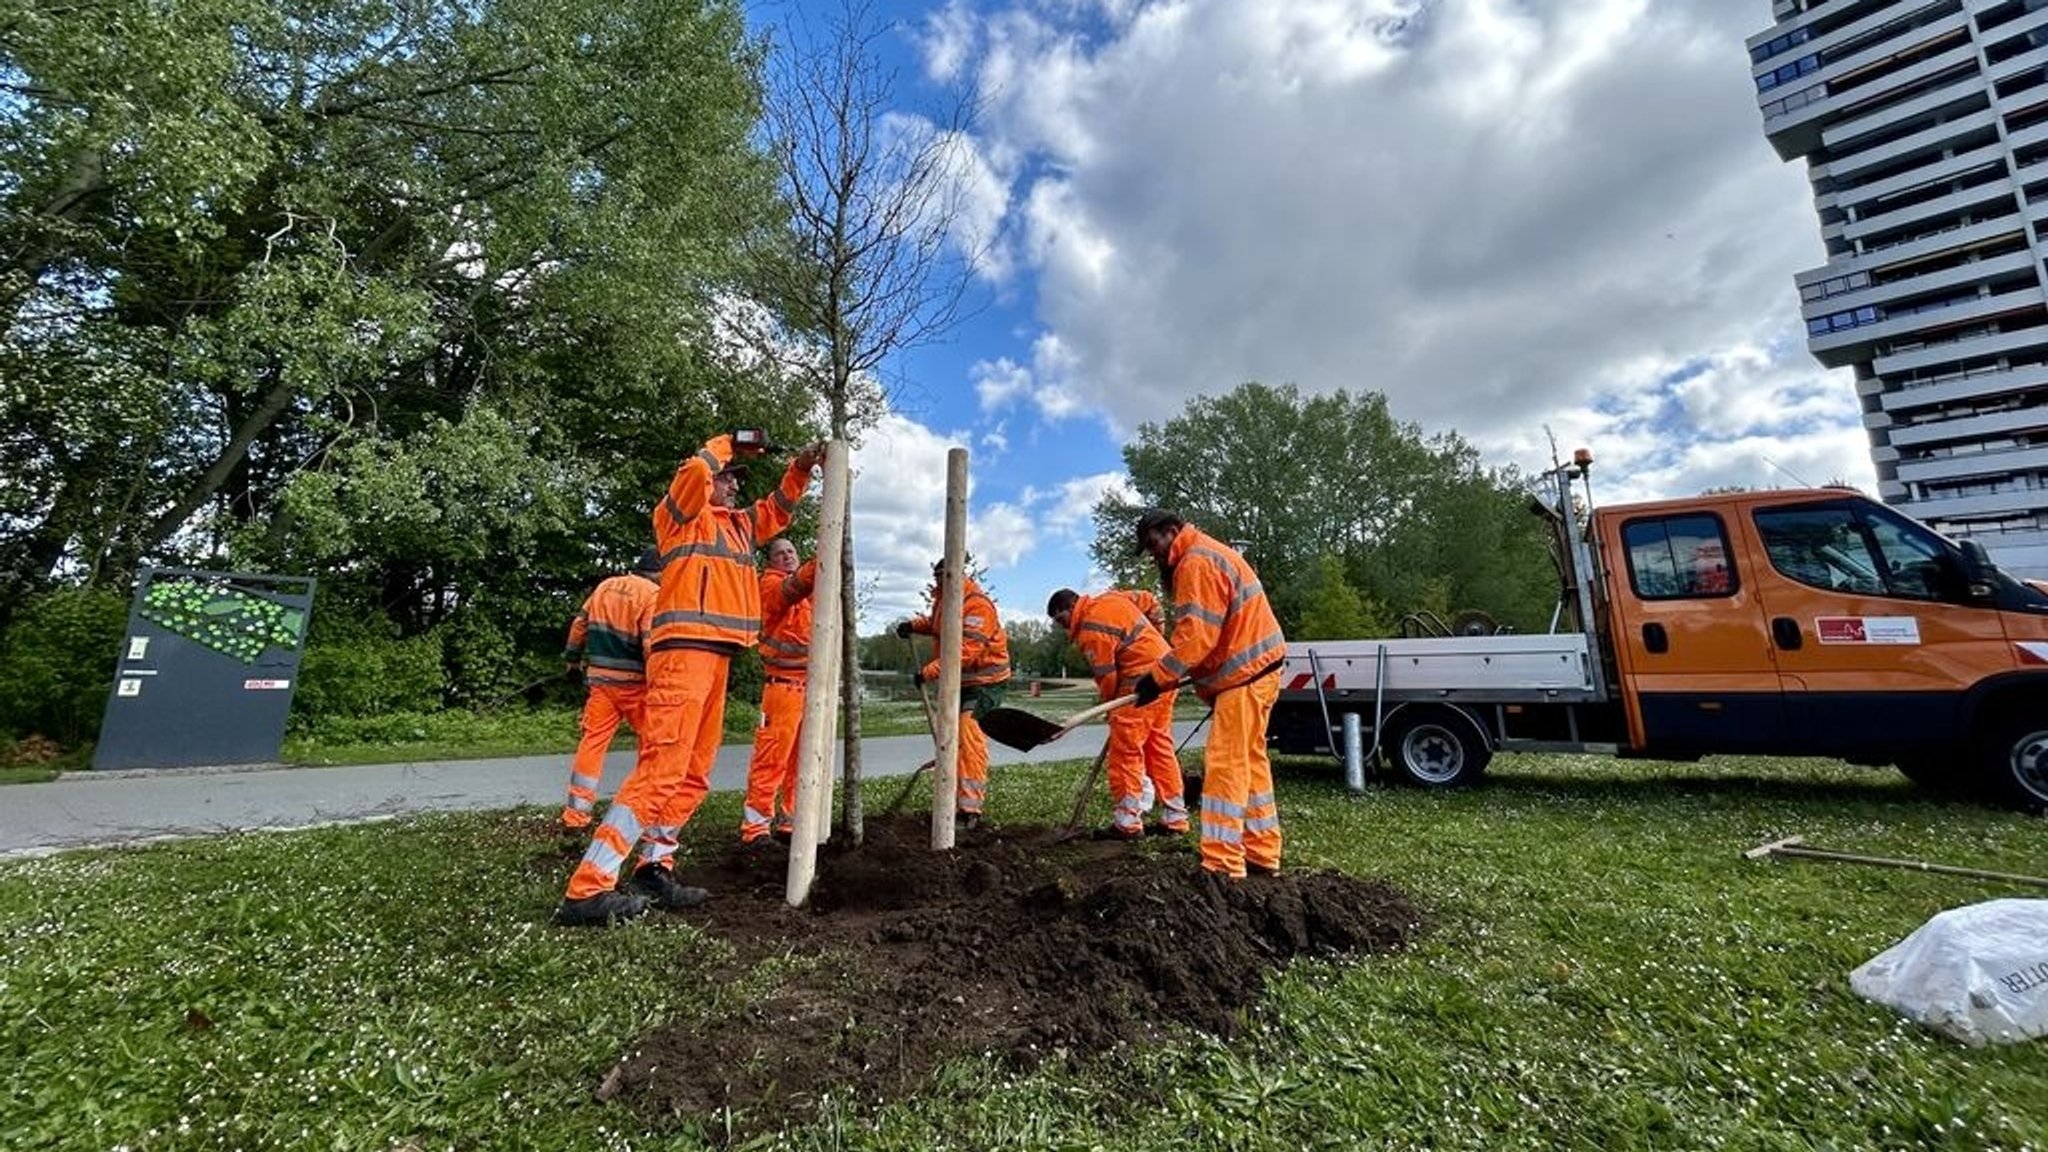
(102,809)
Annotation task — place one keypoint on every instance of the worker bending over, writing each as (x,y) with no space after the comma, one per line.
(1121,645)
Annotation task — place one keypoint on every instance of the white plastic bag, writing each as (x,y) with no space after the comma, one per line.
(1976,973)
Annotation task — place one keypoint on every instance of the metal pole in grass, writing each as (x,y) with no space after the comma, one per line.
(821,702)
(946,771)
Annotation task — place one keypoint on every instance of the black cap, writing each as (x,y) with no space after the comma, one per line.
(649,561)
(1149,519)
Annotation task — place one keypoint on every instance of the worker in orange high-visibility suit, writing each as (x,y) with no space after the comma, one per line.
(984,670)
(785,655)
(707,610)
(1121,645)
(1227,641)
(607,642)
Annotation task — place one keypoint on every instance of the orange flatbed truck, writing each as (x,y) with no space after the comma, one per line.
(1811,622)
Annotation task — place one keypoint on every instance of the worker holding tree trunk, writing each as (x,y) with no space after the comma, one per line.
(607,642)
(984,670)
(1227,641)
(1121,644)
(708,609)
(785,655)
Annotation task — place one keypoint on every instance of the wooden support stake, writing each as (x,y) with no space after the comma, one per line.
(946,772)
(821,696)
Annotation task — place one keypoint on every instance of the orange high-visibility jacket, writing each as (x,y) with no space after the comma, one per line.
(1146,602)
(984,647)
(786,621)
(1119,642)
(710,590)
(609,634)
(1224,633)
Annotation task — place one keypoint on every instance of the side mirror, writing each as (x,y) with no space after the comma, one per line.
(1978,571)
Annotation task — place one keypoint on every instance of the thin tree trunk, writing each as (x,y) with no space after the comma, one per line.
(853,819)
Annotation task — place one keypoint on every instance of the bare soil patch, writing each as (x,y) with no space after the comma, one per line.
(1010,945)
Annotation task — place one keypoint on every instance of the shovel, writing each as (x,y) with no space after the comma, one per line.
(1796,846)
(931,720)
(1016,728)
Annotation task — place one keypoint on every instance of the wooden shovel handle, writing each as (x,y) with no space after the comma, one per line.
(1080,718)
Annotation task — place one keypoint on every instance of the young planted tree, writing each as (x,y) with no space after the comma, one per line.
(870,263)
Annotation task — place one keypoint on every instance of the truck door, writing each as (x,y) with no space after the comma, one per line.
(1876,639)
(1690,638)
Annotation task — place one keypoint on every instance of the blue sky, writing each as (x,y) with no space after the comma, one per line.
(1517,218)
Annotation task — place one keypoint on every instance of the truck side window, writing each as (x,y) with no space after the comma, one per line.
(1678,557)
(1830,546)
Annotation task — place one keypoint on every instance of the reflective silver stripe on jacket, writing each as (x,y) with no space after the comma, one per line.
(711,549)
(1237,663)
(714,619)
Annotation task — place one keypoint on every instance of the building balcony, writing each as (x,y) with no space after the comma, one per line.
(1990,425)
(1847,346)
(1974,386)
(1984,347)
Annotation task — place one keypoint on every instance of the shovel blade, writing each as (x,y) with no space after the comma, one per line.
(1016,728)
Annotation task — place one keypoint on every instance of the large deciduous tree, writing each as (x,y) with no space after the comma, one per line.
(1330,496)
(411,294)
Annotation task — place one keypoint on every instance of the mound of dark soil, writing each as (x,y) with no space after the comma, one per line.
(1010,945)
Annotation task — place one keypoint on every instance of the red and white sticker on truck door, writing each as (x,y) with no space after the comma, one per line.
(1867,629)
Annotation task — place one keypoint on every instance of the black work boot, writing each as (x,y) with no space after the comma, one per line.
(966,821)
(601,910)
(655,882)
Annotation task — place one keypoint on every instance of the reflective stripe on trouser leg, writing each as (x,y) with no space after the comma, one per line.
(598,871)
(700,730)
(1162,763)
(1261,814)
(771,771)
(973,791)
(1235,752)
(1126,768)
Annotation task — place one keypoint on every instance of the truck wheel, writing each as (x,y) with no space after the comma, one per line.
(2015,760)
(1438,748)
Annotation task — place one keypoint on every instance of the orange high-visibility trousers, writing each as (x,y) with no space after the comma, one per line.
(771,773)
(973,790)
(606,705)
(1239,820)
(1141,748)
(685,715)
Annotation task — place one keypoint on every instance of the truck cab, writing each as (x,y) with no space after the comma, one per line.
(1821,623)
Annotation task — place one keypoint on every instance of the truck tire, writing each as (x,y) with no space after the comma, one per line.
(1436,747)
(2014,760)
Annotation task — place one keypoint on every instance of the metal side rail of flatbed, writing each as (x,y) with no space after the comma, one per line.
(1543,668)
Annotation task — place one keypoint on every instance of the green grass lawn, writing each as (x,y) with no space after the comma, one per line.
(1603,969)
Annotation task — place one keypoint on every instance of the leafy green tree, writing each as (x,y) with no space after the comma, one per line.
(420,298)
(1290,478)
(1331,609)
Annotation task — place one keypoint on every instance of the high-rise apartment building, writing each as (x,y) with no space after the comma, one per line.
(1924,127)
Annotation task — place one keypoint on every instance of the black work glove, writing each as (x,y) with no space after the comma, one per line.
(1147,689)
(917,677)
(903,629)
(573,673)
